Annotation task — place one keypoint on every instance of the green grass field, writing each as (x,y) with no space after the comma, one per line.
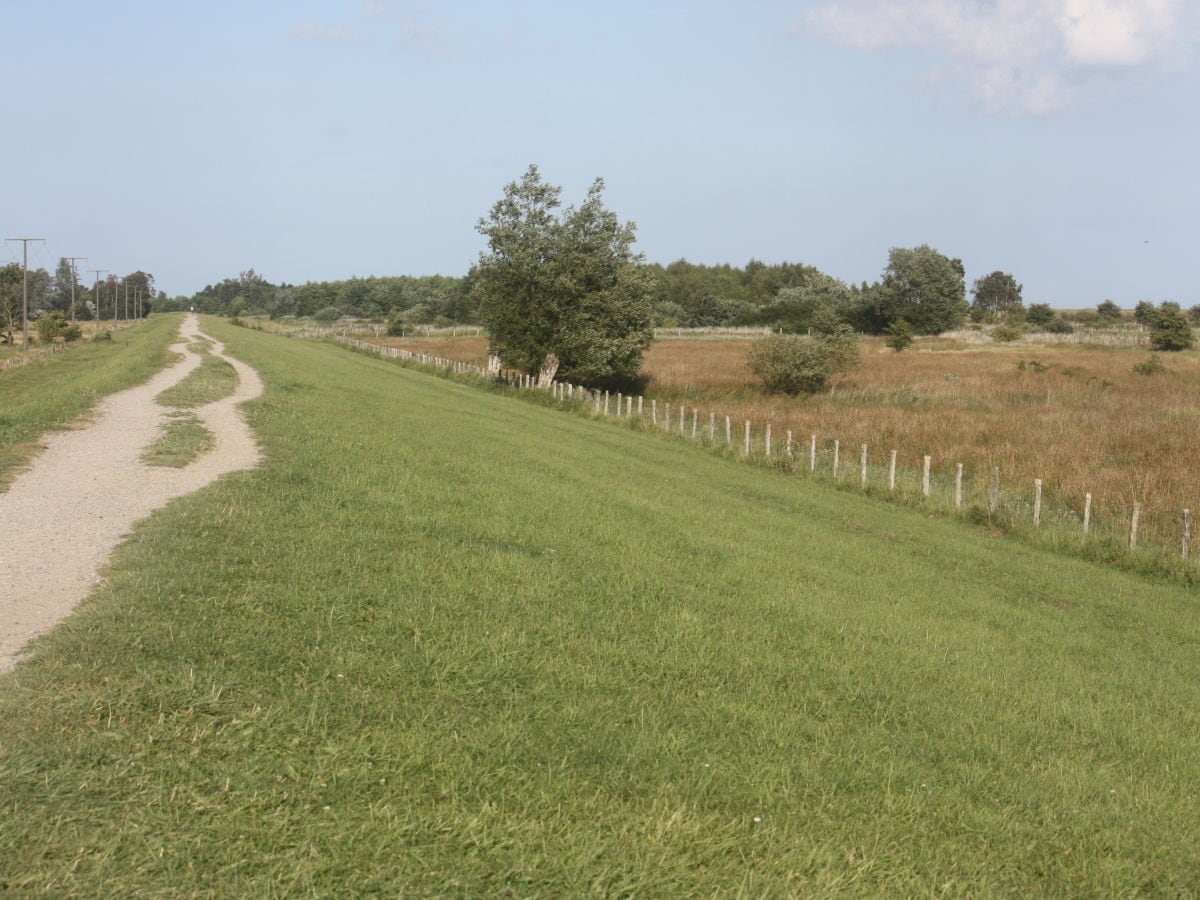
(51,393)
(450,642)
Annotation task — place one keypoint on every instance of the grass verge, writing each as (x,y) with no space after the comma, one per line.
(54,392)
(183,438)
(452,643)
(212,380)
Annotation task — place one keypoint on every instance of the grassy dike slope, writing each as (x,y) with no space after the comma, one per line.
(453,643)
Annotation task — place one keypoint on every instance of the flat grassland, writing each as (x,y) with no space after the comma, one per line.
(452,642)
(1076,416)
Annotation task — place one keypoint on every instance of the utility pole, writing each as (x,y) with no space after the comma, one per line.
(74,276)
(97,272)
(25,286)
(113,282)
(126,301)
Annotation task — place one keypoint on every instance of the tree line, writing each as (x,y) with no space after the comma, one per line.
(53,294)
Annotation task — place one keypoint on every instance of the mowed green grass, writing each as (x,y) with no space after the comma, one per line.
(53,392)
(453,643)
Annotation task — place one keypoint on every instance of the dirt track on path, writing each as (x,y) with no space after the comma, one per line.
(62,518)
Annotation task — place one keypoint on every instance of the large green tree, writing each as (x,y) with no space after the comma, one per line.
(924,288)
(561,289)
(10,300)
(995,296)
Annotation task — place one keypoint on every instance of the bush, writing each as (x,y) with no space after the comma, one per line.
(1171,329)
(72,333)
(396,324)
(802,364)
(900,335)
(1059,325)
(1039,314)
(1151,365)
(50,325)
(1006,334)
(328,314)
(1109,312)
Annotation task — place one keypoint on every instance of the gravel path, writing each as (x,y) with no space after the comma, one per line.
(62,518)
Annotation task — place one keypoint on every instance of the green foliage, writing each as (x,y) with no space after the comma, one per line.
(1109,312)
(1058,325)
(565,284)
(924,288)
(1194,314)
(818,297)
(995,296)
(396,324)
(10,300)
(900,335)
(1039,314)
(328,314)
(183,438)
(50,325)
(1006,333)
(72,333)
(1151,365)
(1171,329)
(1144,313)
(794,364)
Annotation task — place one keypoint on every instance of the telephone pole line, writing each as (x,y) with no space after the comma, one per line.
(25,285)
(74,276)
(97,272)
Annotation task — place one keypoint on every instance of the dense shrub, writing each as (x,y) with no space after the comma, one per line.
(1006,333)
(1058,325)
(396,324)
(802,364)
(1039,314)
(328,314)
(50,325)
(1171,329)
(1151,365)
(900,335)
(72,333)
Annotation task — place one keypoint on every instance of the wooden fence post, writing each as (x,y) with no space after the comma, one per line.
(863,477)
(1187,534)
(712,426)
(1133,525)
(653,411)
(994,496)
(746,442)
(1087,513)
(837,449)
(728,433)
(789,445)
(1037,503)
(892,472)
(666,417)
(812,454)
(620,404)
(925,477)
(606,402)
(639,406)
(695,417)
(682,418)
(958,472)
(767,442)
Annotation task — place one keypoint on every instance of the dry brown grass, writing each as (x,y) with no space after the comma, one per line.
(1083,422)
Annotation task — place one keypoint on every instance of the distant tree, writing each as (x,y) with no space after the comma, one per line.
(10,300)
(1059,325)
(924,288)
(795,307)
(995,296)
(1039,314)
(1171,329)
(1109,312)
(562,291)
(50,325)
(1144,313)
(1194,313)
(794,364)
(900,335)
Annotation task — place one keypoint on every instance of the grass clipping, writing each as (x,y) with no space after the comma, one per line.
(184,438)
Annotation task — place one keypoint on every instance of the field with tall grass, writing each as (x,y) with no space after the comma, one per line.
(450,641)
(1079,417)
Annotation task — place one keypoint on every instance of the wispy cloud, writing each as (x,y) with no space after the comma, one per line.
(329,34)
(1015,56)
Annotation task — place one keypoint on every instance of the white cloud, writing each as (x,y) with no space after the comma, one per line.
(1014,55)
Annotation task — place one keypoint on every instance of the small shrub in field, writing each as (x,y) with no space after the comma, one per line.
(900,335)
(50,325)
(328,314)
(1059,325)
(1151,365)
(802,364)
(396,324)
(1039,314)
(1170,329)
(1006,333)
(72,333)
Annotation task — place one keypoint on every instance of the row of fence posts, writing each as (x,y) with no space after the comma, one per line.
(602,402)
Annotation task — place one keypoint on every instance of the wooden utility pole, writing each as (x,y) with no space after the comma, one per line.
(126,301)
(97,273)
(25,286)
(74,276)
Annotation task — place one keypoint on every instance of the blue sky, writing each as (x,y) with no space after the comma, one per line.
(1054,139)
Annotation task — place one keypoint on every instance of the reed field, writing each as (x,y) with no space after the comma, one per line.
(1076,416)
(450,641)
